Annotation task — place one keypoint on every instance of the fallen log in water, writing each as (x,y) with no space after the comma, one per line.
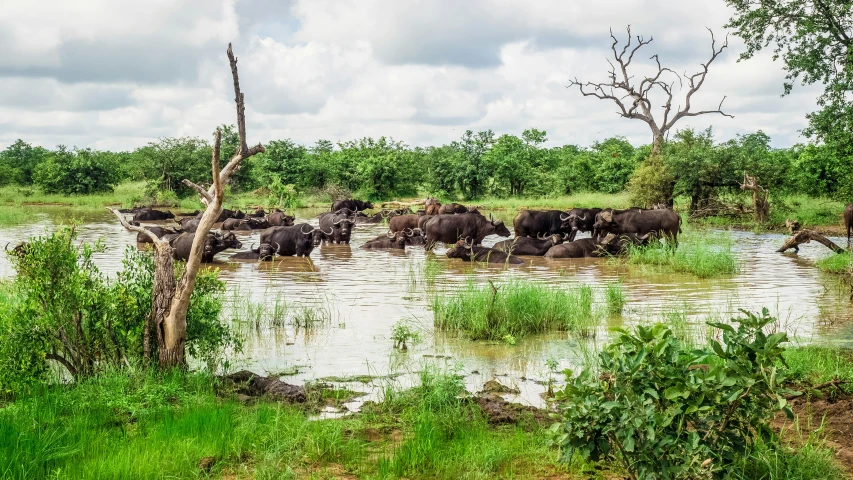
(806,236)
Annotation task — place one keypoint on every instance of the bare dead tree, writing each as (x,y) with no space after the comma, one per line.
(806,236)
(760,203)
(633,101)
(171,297)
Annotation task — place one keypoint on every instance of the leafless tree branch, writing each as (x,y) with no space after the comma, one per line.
(205,197)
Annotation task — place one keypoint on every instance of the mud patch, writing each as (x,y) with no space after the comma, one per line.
(252,385)
(501,412)
(835,415)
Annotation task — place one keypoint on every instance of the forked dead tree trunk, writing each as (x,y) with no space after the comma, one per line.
(171,299)
(760,203)
(806,236)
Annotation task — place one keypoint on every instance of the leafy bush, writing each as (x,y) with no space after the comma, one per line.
(652,183)
(663,410)
(60,308)
(78,172)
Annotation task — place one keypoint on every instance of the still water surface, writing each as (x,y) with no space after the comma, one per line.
(361,294)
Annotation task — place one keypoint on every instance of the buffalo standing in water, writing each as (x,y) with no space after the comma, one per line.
(245,224)
(848,221)
(354,205)
(476,253)
(662,222)
(149,214)
(449,229)
(280,219)
(298,240)
(528,246)
(339,225)
(581,220)
(214,243)
(432,206)
(532,223)
(402,222)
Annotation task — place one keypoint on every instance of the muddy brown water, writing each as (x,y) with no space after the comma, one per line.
(356,296)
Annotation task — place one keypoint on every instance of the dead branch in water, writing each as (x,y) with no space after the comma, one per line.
(806,236)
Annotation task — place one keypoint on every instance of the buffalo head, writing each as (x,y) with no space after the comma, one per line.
(462,249)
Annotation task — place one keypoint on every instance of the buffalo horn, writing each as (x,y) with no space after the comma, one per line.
(568,216)
(410,232)
(303,229)
(391,234)
(277,246)
(252,248)
(330,231)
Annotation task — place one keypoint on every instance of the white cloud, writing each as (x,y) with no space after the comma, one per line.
(116,74)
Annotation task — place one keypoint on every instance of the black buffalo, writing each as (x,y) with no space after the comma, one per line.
(533,223)
(476,253)
(375,218)
(585,247)
(190,225)
(226,214)
(449,229)
(264,252)
(529,246)
(280,219)
(581,220)
(416,237)
(259,213)
(214,243)
(149,214)
(354,205)
(663,222)
(160,232)
(245,224)
(298,240)
(390,240)
(339,225)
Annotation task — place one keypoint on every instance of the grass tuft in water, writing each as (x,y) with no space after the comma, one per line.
(615,296)
(706,255)
(517,309)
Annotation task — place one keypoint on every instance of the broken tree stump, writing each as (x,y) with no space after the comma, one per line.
(806,236)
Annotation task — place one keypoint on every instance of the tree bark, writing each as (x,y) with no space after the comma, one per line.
(806,236)
(759,197)
(171,298)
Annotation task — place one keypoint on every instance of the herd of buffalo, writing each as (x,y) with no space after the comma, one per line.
(548,233)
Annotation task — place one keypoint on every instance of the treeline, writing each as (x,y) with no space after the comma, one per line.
(475,166)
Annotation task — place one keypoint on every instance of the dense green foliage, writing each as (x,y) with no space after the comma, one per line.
(60,308)
(477,166)
(814,40)
(664,410)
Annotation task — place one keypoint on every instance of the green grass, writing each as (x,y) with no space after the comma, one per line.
(811,459)
(615,297)
(704,255)
(516,308)
(814,365)
(836,263)
(143,425)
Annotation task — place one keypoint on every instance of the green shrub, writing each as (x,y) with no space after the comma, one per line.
(61,308)
(652,183)
(836,263)
(78,172)
(663,410)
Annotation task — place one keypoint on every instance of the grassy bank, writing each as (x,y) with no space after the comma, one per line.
(146,426)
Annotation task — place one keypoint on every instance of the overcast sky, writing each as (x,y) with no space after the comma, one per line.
(116,74)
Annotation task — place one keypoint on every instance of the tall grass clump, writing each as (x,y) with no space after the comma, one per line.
(615,297)
(815,364)
(836,263)
(704,256)
(516,308)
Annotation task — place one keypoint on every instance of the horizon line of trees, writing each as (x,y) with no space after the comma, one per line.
(475,166)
